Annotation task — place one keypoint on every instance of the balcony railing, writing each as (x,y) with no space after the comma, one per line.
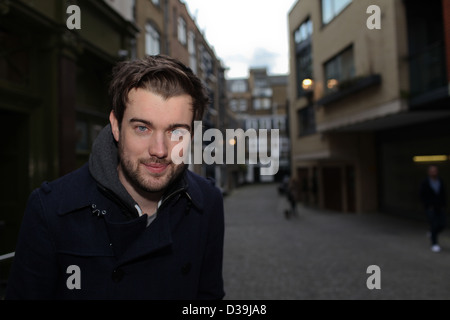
(350,87)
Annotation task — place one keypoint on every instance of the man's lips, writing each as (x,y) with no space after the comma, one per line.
(156,167)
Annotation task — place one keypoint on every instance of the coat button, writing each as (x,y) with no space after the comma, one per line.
(117,275)
(186,268)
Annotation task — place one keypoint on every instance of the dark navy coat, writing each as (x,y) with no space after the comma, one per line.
(72,222)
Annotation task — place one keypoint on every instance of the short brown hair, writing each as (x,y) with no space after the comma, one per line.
(159,74)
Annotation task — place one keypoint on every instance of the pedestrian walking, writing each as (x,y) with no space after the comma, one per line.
(129,224)
(433,195)
(291,193)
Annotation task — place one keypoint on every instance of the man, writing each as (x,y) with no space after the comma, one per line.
(130,224)
(432,192)
(292,191)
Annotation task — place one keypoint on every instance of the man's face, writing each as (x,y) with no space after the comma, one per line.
(433,172)
(145,139)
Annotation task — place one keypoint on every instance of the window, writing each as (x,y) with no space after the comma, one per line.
(261,103)
(15,58)
(192,51)
(304,64)
(156,2)
(339,69)
(304,32)
(331,8)
(306,121)
(265,123)
(242,105)
(239,86)
(234,105)
(152,40)
(251,124)
(279,123)
(263,92)
(304,60)
(182,31)
(261,83)
(206,63)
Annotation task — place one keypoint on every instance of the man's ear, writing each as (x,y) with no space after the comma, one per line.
(114,125)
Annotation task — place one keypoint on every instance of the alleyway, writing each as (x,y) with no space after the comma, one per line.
(324,255)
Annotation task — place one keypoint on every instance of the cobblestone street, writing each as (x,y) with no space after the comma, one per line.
(325,255)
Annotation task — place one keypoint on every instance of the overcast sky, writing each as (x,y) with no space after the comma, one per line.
(246,33)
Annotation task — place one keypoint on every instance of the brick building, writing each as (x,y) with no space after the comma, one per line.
(261,102)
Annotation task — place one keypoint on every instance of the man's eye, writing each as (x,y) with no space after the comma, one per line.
(141,129)
(179,132)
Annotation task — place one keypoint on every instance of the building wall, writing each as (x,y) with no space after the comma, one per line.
(347,157)
(126,8)
(273,88)
(53,88)
(351,149)
(149,13)
(446,16)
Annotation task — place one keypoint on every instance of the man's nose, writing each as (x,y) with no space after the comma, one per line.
(158,146)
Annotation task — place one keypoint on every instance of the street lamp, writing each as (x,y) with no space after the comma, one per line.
(307,84)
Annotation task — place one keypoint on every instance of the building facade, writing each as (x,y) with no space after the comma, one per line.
(366,100)
(53,86)
(261,102)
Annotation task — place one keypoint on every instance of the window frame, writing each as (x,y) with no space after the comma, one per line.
(335,13)
(182,30)
(338,59)
(303,51)
(148,35)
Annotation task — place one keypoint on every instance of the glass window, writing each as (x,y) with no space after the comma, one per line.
(262,92)
(265,123)
(182,30)
(304,32)
(304,64)
(192,48)
(152,40)
(261,103)
(331,8)
(339,69)
(234,105)
(304,60)
(279,123)
(266,104)
(239,86)
(251,124)
(306,121)
(257,104)
(206,63)
(15,58)
(242,105)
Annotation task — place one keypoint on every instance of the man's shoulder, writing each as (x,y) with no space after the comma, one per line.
(76,179)
(68,192)
(205,185)
(202,189)
(195,177)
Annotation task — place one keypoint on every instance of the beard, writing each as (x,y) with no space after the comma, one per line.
(142,179)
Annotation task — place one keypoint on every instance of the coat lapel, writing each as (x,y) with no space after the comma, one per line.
(134,239)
